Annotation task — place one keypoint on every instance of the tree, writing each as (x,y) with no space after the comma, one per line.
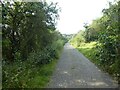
(27,28)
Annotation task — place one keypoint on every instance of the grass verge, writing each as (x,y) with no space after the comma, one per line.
(26,76)
(91,52)
(23,74)
(42,75)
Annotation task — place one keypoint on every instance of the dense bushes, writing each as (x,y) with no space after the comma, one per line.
(77,39)
(106,32)
(29,40)
(27,27)
(109,38)
(47,54)
(21,74)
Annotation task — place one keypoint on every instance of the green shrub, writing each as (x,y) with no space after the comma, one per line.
(21,73)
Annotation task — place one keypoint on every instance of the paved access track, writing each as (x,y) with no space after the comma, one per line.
(74,70)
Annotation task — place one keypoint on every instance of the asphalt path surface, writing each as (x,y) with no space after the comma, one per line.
(74,70)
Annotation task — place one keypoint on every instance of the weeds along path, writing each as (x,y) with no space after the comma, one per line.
(74,70)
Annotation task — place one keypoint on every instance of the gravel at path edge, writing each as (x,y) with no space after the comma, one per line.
(74,70)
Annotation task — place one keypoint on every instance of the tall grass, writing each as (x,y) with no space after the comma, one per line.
(22,75)
(91,51)
(35,72)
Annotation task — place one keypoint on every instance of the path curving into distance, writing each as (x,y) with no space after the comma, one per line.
(74,70)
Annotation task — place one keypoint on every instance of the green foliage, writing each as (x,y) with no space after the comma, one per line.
(92,31)
(47,54)
(109,38)
(27,27)
(67,37)
(106,31)
(77,39)
(90,51)
(25,75)
(29,42)
(34,72)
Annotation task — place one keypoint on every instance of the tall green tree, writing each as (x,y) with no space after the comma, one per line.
(27,27)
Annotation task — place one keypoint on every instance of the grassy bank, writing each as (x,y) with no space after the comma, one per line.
(28,77)
(27,74)
(91,52)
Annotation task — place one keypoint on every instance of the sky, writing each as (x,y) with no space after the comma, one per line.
(74,13)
